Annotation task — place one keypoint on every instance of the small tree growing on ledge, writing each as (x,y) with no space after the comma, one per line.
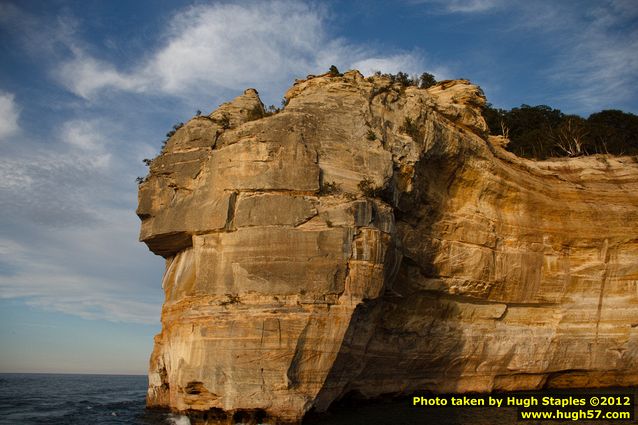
(230,299)
(367,187)
(330,188)
(371,136)
(334,71)
(426,80)
(271,110)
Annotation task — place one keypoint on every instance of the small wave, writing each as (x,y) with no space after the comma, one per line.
(178,419)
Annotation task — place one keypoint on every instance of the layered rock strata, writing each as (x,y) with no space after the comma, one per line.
(372,238)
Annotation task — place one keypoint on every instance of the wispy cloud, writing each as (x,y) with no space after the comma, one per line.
(85,75)
(461,6)
(599,65)
(209,48)
(9,113)
(40,37)
(68,240)
(86,137)
(588,47)
(46,188)
(411,63)
(64,182)
(83,271)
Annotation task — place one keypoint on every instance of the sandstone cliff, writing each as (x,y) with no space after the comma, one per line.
(372,238)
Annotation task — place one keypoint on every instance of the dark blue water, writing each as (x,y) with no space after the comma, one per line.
(112,399)
(77,399)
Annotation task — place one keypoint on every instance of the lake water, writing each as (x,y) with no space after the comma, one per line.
(115,399)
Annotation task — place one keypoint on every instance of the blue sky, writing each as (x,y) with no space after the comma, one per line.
(89,88)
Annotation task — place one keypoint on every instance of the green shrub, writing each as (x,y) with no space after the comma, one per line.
(330,188)
(371,136)
(272,110)
(426,80)
(367,187)
(230,299)
(404,80)
(334,72)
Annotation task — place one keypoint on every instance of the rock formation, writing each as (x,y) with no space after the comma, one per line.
(372,238)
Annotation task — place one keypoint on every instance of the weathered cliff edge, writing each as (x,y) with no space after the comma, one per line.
(305,260)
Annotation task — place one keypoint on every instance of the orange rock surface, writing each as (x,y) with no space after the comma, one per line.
(372,238)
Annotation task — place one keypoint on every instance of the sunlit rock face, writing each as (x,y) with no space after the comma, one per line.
(371,238)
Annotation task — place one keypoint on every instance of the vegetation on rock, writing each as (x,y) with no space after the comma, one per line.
(330,188)
(540,132)
(423,81)
(367,187)
(334,71)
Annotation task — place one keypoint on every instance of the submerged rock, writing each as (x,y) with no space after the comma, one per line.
(372,238)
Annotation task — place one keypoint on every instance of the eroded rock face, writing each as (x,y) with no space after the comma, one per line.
(372,238)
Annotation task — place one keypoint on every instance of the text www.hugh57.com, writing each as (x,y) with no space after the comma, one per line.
(542,406)
(573,415)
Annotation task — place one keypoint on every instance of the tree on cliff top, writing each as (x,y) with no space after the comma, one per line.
(424,81)
(334,71)
(540,132)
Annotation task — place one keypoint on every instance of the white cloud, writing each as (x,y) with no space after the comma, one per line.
(461,6)
(78,295)
(229,44)
(209,48)
(391,64)
(9,114)
(212,46)
(86,138)
(13,177)
(98,307)
(68,239)
(472,6)
(409,63)
(65,181)
(84,75)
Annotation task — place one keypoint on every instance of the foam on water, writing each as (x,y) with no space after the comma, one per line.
(178,419)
